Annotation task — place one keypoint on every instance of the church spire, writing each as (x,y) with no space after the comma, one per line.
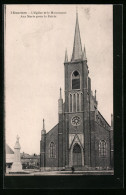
(77,47)
(66,56)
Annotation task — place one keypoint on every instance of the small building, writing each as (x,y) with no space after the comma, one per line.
(30,161)
(9,157)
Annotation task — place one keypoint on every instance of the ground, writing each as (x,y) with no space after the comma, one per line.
(33,172)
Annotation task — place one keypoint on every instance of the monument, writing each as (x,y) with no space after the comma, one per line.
(17,166)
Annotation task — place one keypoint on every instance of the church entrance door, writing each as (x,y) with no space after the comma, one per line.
(77,156)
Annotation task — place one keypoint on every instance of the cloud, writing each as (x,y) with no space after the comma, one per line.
(87,12)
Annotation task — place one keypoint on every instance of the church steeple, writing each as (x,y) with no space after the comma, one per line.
(77,47)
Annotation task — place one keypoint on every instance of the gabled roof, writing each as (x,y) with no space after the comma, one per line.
(74,139)
(103,118)
(9,150)
(53,129)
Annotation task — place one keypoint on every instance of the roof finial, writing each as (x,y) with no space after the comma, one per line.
(84,54)
(95,93)
(66,56)
(43,124)
(111,121)
(84,49)
(60,93)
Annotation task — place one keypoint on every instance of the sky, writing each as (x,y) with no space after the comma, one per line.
(34,64)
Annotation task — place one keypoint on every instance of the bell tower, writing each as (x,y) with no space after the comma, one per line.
(77,104)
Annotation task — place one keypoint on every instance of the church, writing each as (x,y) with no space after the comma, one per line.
(82,138)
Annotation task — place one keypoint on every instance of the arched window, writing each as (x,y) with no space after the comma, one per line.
(81,101)
(70,103)
(74,103)
(52,150)
(102,148)
(77,102)
(75,80)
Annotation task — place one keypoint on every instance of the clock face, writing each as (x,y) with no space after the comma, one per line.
(75,121)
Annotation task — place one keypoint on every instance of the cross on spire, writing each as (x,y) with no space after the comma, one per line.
(76,10)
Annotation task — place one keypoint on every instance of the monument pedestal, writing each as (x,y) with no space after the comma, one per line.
(16,167)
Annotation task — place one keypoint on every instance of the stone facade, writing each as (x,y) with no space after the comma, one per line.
(82,137)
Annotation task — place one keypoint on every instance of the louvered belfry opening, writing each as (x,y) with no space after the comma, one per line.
(75,80)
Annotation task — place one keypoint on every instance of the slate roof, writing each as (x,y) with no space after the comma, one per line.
(9,150)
